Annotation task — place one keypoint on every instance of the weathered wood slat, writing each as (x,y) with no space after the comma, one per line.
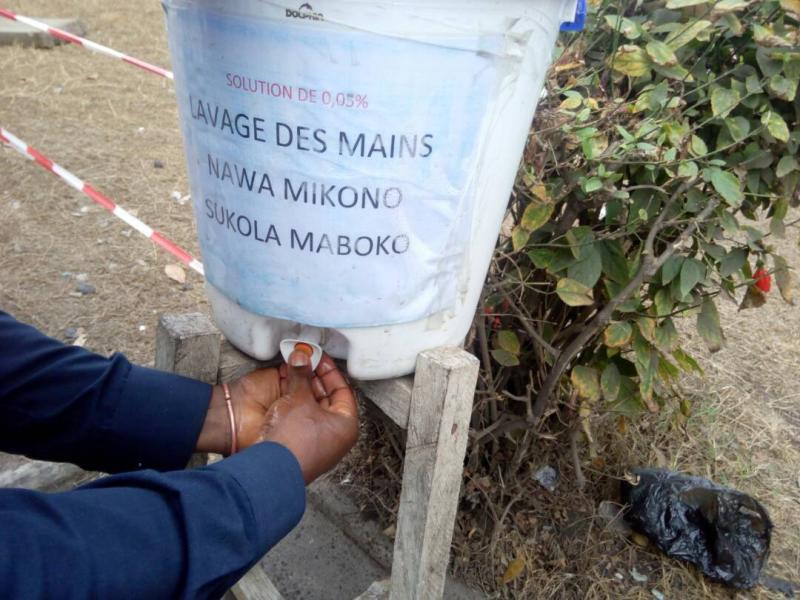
(441,404)
(255,585)
(38,475)
(188,345)
(392,396)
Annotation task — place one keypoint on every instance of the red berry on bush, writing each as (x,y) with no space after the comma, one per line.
(763,279)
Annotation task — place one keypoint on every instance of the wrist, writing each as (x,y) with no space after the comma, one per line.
(215,436)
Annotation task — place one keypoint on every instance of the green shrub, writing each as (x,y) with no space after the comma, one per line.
(661,165)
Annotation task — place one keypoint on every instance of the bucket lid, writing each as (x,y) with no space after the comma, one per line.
(580,18)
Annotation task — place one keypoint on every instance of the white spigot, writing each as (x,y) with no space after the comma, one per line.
(309,337)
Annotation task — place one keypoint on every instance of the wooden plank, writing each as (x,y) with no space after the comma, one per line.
(392,396)
(255,585)
(40,475)
(441,405)
(234,363)
(379,590)
(188,345)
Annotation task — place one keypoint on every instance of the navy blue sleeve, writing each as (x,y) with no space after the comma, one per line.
(63,403)
(188,534)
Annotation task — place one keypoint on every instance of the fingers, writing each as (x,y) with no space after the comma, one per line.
(316,385)
(342,399)
(299,374)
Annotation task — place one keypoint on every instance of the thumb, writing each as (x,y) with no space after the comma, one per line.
(299,373)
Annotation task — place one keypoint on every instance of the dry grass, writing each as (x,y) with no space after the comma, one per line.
(108,122)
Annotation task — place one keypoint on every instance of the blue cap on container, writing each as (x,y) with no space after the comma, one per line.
(580,18)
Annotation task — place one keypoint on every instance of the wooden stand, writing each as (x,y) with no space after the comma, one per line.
(434,406)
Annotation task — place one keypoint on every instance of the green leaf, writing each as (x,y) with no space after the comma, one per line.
(647,328)
(646,367)
(591,185)
(505,358)
(625,26)
(535,216)
(580,241)
(661,53)
(775,125)
(585,380)
(574,293)
(733,262)
(617,335)
(610,382)
(708,326)
(686,362)
(686,33)
(663,302)
(692,273)
(671,269)
(508,341)
(632,61)
(615,265)
(738,127)
(588,269)
(572,101)
(725,6)
(783,88)
(519,237)
(541,258)
(667,338)
(723,101)
(727,186)
(688,169)
(697,146)
(786,165)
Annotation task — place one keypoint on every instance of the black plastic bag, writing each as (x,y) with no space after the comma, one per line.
(723,531)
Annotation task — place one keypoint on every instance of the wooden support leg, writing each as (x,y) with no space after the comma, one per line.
(438,425)
(189,345)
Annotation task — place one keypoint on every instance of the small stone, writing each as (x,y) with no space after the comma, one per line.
(657,595)
(637,576)
(71,333)
(15,204)
(547,477)
(142,328)
(157,164)
(85,288)
(81,277)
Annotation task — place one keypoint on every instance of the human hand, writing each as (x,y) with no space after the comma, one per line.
(316,418)
(251,397)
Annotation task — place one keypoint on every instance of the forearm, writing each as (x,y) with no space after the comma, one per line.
(63,403)
(151,535)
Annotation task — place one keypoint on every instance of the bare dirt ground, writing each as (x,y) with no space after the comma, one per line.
(112,124)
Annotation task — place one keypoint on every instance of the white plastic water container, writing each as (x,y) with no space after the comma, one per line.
(351,163)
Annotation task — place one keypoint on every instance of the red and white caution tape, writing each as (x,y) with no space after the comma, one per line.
(104,201)
(88,44)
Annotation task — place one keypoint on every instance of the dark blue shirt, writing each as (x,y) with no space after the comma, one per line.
(153,530)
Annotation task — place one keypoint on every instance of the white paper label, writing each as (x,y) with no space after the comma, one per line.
(332,169)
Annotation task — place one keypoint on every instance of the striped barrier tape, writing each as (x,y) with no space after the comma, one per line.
(88,44)
(104,201)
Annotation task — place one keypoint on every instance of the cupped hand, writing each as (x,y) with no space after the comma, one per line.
(252,396)
(316,418)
